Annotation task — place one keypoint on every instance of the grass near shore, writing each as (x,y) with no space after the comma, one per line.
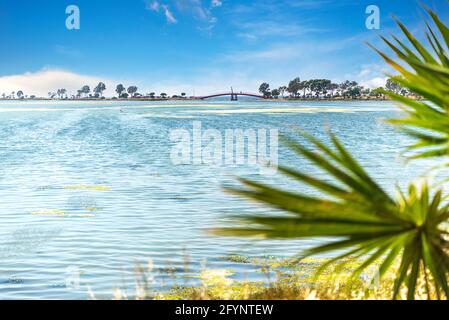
(285,280)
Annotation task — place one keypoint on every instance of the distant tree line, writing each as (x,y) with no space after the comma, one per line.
(296,89)
(85,92)
(17,95)
(326,89)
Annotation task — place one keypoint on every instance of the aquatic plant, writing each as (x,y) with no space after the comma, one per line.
(293,281)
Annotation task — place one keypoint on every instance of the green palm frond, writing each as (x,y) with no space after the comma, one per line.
(424,70)
(357,217)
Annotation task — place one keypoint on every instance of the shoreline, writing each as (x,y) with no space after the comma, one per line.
(199,99)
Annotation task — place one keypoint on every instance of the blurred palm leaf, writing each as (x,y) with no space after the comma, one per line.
(404,235)
(357,217)
(424,70)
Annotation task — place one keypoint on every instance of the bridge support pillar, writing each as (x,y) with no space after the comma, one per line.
(234,97)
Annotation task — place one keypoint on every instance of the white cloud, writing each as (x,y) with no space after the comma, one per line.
(153,6)
(156,6)
(169,15)
(375,82)
(195,8)
(202,83)
(202,13)
(370,75)
(49,80)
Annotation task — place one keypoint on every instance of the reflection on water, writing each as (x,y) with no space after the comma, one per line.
(88,186)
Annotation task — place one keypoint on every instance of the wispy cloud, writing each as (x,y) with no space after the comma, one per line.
(308,4)
(261,29)
(169,15)
(157,6)
(153,6)
(200,10)
(67,52)
(274,53)
(288,51)
(274,6)
(270,19)
(216,3)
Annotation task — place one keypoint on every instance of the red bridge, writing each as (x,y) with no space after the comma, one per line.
(233,95)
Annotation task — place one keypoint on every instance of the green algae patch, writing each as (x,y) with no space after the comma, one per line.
(60,213)
(88,187)
(237,259)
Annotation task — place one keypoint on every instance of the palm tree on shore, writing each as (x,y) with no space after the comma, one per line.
(20,94)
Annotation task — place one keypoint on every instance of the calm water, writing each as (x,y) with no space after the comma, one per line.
(89,188)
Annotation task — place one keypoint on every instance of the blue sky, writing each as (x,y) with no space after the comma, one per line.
(193,45)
